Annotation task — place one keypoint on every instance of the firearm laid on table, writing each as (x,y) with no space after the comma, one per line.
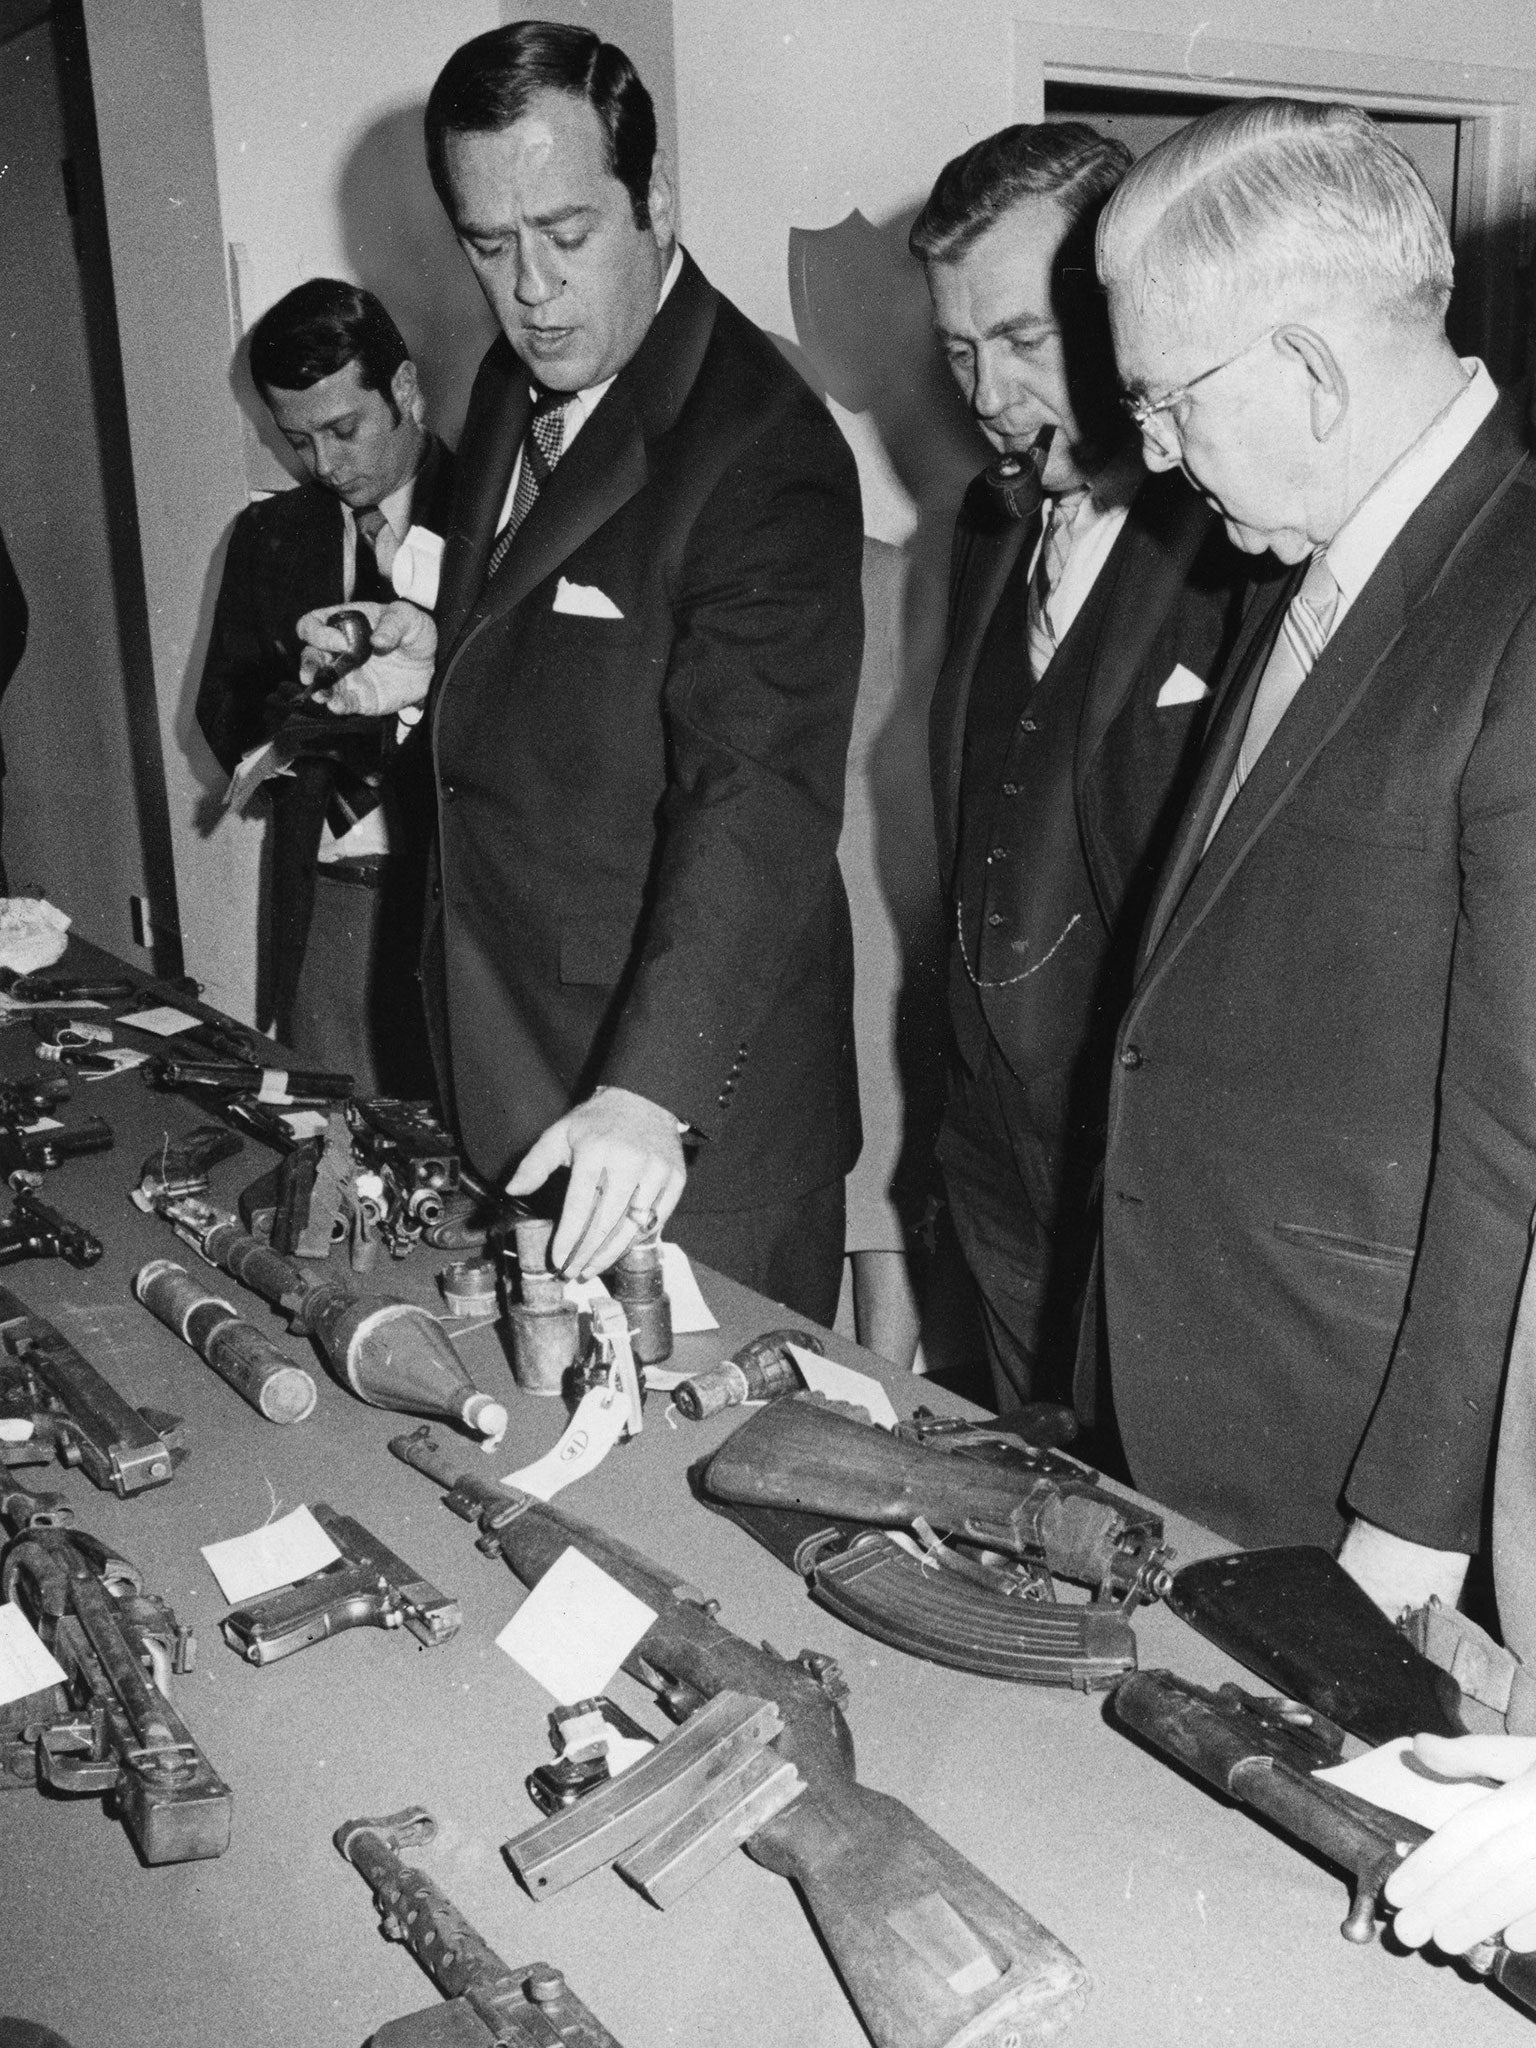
(860,1512)
(109,1727)
(55,1402)
(1262,1753)
(931,1951)
(526,2006)
(27,1152)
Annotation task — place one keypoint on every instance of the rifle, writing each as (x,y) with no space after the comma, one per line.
(527,2006)
(1261,1754)
(1037,1505)
(932,1952)
(72,1410)
(110,1726)
(367,1586)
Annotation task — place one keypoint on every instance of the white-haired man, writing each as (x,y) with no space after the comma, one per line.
(1322,1138)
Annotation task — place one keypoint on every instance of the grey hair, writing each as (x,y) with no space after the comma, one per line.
(1278,200)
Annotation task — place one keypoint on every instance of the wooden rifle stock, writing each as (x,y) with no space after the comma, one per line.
(932,1952)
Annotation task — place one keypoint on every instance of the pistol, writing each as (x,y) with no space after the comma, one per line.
(72,1411)
(366,1587)
(932,1952)
(109,1727)
(489,2005)
(36,1230)
(26,1152)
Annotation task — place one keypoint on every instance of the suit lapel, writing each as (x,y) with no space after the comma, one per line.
(1434,537)
(605,467)
(1161,537)
(492,436)
(994,556)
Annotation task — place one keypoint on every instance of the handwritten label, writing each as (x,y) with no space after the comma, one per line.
(589,1436)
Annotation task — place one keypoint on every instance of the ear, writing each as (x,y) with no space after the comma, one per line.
(405,390)
(1327,385)
(661,200)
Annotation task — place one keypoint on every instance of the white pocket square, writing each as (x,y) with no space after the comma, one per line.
(1182,687)
(584,601)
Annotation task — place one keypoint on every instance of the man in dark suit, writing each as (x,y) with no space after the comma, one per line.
(646,659)
(349,844)
(1065,726)
(1322,1143)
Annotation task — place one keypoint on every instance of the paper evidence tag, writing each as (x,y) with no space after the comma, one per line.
(589,1436)
(25,1666)
(690,1311)
(278,1554)
(842,1383)
(274,1085)
(575,1628)
(163,1021)
(1391,1776)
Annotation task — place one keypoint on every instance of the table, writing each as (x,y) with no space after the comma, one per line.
(1195,1922)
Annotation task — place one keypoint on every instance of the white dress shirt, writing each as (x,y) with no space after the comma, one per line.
(1095,529)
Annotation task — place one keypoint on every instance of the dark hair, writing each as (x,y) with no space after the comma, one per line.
(488,82)
(317,329)
(1066,160)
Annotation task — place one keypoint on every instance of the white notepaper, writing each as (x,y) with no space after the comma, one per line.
(575,1628)
(25,1666)
(278,1554)
(842,1383)
(690,1311)
(1392,1777)
(163,1021)
(589,1436)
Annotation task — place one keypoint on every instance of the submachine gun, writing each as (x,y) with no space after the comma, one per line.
(110,1726)
(932,1952)
(65,1408)
(489,2004)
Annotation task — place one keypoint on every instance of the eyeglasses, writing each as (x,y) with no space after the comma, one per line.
(1147,415)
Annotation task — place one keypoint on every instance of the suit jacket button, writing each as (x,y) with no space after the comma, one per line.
(450,791)
(1010,789)
(1131,1056)
(1028,725)
(994,917)
(998,853)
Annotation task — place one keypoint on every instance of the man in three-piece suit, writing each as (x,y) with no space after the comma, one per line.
(1322,1142)
(646,656)
(349,840)
(1065,727)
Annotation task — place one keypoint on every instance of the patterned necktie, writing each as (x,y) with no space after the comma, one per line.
(542,445)
(1303,635)
(376,530)
(1039,627)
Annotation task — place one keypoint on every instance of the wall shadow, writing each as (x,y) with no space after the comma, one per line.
(401,247)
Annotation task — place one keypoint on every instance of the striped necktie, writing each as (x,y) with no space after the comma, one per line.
(1303,635)
(543,442)
(1039,627)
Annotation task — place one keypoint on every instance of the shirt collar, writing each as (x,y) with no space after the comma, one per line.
(1356,549)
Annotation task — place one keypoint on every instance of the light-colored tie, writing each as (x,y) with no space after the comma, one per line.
(542,445)
(1039,627)
(1303,635)
(380,536)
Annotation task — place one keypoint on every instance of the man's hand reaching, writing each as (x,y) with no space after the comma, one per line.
(626,1162)
(396,674)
